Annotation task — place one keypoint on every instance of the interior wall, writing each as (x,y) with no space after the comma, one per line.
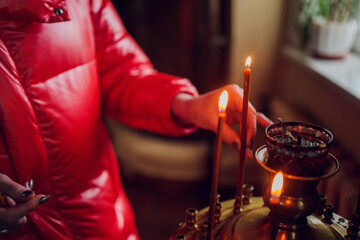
(255,27)
(185,38)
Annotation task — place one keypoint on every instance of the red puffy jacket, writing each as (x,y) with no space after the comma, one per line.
(64,65)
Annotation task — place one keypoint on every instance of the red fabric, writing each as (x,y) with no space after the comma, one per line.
(59,76)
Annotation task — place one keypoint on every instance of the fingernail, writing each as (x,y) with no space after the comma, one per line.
(44,199)
(26,193)
(235,146)
(31,184)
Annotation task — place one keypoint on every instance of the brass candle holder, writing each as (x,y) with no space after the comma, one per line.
(299,198)
(301,152)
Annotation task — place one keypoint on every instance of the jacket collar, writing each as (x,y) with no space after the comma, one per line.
(34,10)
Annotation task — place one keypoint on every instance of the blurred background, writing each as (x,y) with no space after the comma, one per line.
(297,74)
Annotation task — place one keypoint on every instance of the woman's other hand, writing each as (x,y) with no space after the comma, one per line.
(17,202)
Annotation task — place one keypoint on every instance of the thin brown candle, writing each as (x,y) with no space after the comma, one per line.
(215,174)
(243,127)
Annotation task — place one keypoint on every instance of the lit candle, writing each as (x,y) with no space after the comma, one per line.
(222,115)
(243,127)
(276,188)
(223,99)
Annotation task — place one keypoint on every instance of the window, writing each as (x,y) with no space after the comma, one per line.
(357,41)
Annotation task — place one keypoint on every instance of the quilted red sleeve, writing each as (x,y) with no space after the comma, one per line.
(132,91)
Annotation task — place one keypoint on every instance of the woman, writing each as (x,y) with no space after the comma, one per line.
(64,65)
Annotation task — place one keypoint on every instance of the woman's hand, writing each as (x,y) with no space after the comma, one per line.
(202,111)
(18,202)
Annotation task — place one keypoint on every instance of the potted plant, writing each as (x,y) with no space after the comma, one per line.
(331,26)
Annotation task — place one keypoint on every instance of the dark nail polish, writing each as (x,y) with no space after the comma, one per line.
(235,145)
(31,184)
(44,199)
(26,193)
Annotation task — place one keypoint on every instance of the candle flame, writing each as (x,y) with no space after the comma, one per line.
(248,62)
(277,185)
(223,100)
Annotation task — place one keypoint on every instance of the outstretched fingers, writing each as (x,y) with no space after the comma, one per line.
(231,137)
(262,120)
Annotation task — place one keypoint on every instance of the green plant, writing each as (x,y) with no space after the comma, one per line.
(333,10)
(330,10)
(336,10)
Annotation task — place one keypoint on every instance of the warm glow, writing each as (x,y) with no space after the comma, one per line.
(223,100)
(248,62)
(277,185)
